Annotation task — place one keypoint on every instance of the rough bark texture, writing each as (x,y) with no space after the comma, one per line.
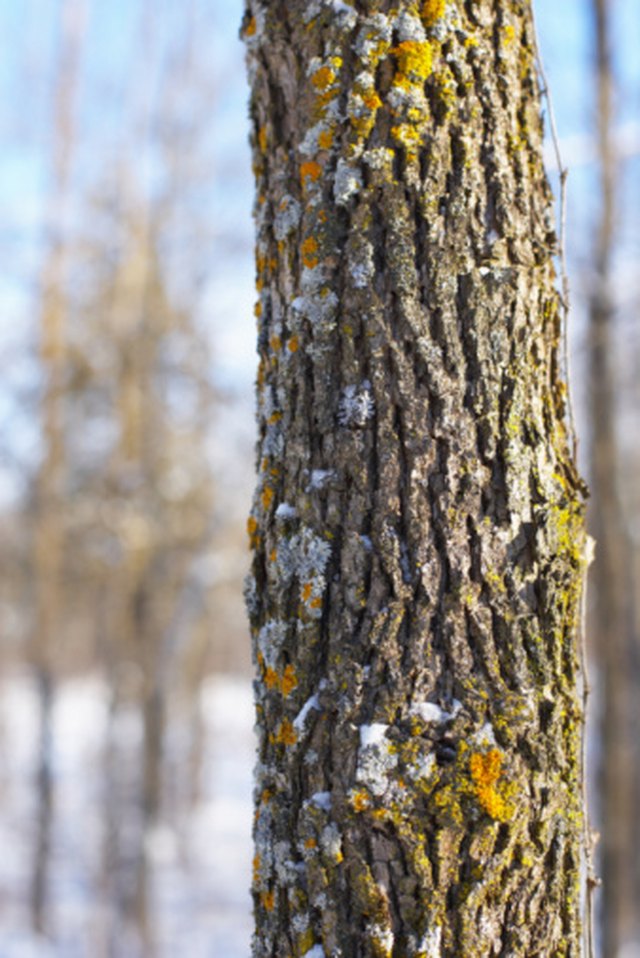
(417,526)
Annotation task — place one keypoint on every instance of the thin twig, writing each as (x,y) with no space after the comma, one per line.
(563,173)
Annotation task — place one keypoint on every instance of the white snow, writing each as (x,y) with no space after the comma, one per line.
(200,862)
(316,952)
(373,734)
(312,703)
(430,712)
(285,511)
(322,800)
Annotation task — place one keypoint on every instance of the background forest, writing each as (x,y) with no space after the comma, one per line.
(126,464)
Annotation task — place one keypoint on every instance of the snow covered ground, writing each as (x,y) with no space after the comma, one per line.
(201,868)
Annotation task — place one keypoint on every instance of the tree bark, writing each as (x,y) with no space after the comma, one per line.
(418,523)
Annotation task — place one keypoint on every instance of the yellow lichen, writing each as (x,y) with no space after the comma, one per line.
(432,11)
(414,60)
(407,136)
(486,770)
(266,497)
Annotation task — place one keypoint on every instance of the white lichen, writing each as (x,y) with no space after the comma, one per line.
(271,639)
(348,183)
(381,158)
(320,308)
(376,31)
(431,943)
(331,841)
(356,406)
(376,762)
(424,767)
(383,936)
(484,737)
(319,478)
(283,864)
(362,269)
(409,27)
(287,217)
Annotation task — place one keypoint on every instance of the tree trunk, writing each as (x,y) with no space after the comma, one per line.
(48,533)
(418,523)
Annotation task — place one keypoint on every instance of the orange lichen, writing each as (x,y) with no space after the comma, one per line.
(293,345)
(486,769)
(325,139)
(286,734)
(262,139)
(273,555)
(289,681)
(256,868)
(268,900)
(371,100)
(311,843)
(323,78)
(250,29)
(271,679)
(266,497)
(315,603)
(274,417)
(252,531)
(309,249)
(257,310)
(432,11)
(310,172)
(276,343)
(360,801)
(307,590)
